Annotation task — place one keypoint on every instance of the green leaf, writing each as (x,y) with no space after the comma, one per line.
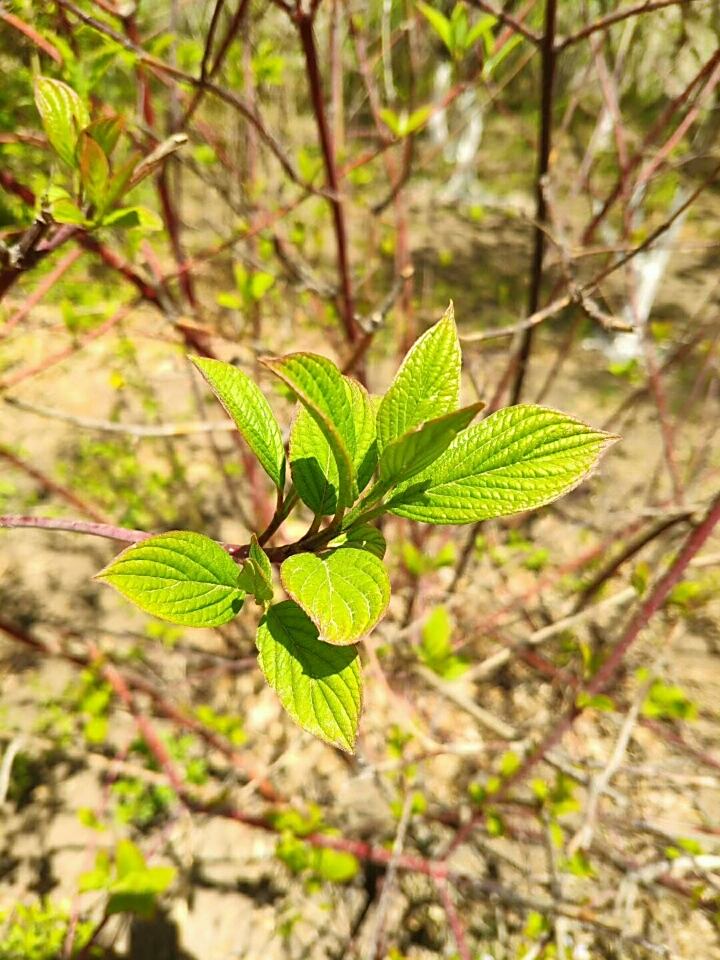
(422,445)
(436,650)
(256,574)
(319,685)
(427,385)
(106,132)
(364,451)
(327,396)
(364,537)
(393,121)
(313,465)
(248,408)
(182,577)
(344,592)
(63,115)
(517,459)
(440,24)
(65,210)
(133,217)
(94,169)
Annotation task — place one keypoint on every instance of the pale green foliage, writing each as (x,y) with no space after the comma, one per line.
(422,445)
(132,885)
(256,574)
(251,413)
(326,395)
(312,462)
(517,459)
(182,577)
(427,385)
(63,116)
(344,592)
(319,685)
(429,465)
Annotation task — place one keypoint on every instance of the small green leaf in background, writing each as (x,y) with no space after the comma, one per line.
(327,396)
(132,218)
(403,124)
(344,592)
(436,650)
(439,22)
(94,169)
(248,408)
(182,577)
(63,116)
(422,445)
(132,885)
(319,685)
(256,575)
(517,459)
(426,386)
(364,537)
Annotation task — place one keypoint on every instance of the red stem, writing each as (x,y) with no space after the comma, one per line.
(307,37)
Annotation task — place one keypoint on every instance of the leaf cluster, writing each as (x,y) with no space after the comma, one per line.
(351,458)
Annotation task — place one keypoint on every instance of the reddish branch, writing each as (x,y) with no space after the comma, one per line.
(53,487)
(543,164)
(612,18)
(307,37)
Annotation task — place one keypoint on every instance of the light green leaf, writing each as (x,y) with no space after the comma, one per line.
(313,465)
(519,458)
(248,408)
(364,537)
(344,592)
(106,132)
(133,217)
(182,577)
(319,685)
(364,451)
(440,24)
(427,385)
(65,210)
(63,115)
(327,397)
(94,169)
(256,575)
(422,445)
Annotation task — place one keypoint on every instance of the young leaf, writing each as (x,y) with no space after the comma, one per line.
(364,452)
(418,448)
(327,397)
(182,577)
(106,132)
(131,217)
(427,385)
(319,685)
(344,592)
(313,465)
(519,458)
(63,115)
(256,575)
(364,537)
(247,406)
(94,169)
(440,23)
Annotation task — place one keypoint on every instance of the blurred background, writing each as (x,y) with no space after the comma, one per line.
(327,176)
